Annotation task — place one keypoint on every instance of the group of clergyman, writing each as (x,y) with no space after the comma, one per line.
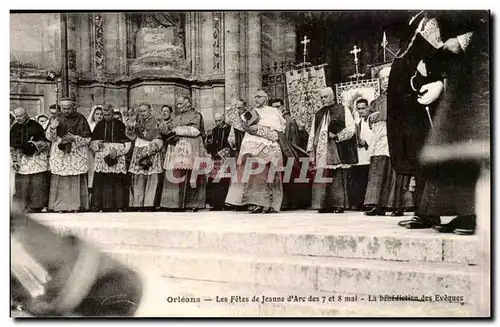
(135,160)
(370,157)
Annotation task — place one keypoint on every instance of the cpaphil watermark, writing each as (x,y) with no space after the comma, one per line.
(291,170)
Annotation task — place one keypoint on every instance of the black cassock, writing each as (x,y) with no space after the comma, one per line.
(441,190)
(217,191)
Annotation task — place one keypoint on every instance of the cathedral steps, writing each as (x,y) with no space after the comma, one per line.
(347,254)
(349,276)
(348,235)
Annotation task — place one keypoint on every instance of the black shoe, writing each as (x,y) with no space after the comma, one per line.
(449,227)
(466,226)
(405,222)
(338,210)
(375,212)
(326,210)
(257,209)
(397,213)
(464,231)
(422,222)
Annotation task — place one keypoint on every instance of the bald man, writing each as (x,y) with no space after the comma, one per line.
(29,152)
(332,149)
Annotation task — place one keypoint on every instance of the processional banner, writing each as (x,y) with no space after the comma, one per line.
(303,86)
(348,93)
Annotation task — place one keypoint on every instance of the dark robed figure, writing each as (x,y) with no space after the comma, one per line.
(29,153)
(145,165)
(110,145)
(439,54)
(332,149)
(183,156)
(292,192)
(219,149)
(69,159)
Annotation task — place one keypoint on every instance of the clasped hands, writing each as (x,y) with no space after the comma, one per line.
(333,136)
(68,138)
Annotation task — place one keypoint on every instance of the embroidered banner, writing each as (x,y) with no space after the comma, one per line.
(303,86)
(375,69)
(348,93)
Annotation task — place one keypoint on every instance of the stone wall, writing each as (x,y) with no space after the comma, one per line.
(33,52)
(112,62)
(279,46)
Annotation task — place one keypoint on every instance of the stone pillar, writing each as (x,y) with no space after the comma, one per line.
(98,51)
(254,54)
(244,56)
(73,40)
(232,56)
(122,45)
(84,50)
(64,55)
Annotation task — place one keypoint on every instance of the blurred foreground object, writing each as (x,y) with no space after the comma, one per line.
(53,275)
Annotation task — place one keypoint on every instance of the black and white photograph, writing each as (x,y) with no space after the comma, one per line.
(250,163)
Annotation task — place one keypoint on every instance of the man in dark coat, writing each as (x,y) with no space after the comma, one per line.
(291,191)
(29,153)
(110,146)
(332,149)
(218,147)
(439,45)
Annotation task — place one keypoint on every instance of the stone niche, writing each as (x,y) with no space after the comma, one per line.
(159,47)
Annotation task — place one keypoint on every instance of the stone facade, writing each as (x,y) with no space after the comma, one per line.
(126,58)
(214,57)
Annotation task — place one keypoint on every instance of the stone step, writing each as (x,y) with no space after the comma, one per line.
(338,275)
(350,235)
(200,299)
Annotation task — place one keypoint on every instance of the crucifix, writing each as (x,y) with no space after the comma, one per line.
(304,42)
(355,50)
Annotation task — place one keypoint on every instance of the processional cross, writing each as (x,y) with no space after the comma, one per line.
(304,42)
(355,50)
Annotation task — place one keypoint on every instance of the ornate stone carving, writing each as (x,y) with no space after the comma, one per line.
(98,44)
(216,44)
(160,46)
(72,59)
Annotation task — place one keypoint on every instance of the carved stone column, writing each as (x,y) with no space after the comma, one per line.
(254,53)
(98,46)
(232,56)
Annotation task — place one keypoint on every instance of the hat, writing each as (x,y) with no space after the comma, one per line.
(261,93)
(218,115)
(67,101)
(108,109)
